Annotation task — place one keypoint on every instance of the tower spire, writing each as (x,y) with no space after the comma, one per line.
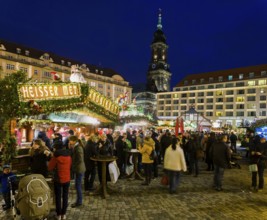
(159,25)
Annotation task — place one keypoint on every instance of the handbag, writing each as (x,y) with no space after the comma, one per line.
(153,155)
(164,180)
(114,171)
(253,168)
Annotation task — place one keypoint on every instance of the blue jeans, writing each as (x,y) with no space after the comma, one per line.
(174,179)
(61,191)
(218,176)
(78,187)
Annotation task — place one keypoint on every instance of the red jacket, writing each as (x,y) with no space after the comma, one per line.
(61,163)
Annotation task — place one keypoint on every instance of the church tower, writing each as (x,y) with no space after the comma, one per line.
(158,75)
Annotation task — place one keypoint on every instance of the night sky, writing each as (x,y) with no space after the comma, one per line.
(203,36)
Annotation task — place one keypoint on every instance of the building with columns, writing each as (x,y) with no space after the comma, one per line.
(43,66)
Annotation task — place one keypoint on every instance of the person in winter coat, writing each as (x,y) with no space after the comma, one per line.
(211,140)
(90,150)
(192,147)
(147,163)
(120,146)
(5,187)
(40,154)
(60,163)
(104,150)
(233,140)
(174,163)
(221,155)
(258,155)
(78,167)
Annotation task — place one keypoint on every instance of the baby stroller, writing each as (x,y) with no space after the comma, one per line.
(234,160)
(32,201)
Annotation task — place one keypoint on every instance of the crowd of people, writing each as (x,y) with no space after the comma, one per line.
(69,158)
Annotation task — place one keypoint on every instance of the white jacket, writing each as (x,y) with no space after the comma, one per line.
(174,159)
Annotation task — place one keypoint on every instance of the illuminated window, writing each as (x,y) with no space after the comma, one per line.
(230,77)
(220,92)
(262,82)
(175,96)
(220,78)
(46,74)
(27,52)
(219,114)
(23,69)
(10,67)
(240,99)
(251,106)
(202,80)
(241,76)
(251,83)
(93,84)
(263,90)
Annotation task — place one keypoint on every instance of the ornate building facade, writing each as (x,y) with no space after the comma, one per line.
(42,66)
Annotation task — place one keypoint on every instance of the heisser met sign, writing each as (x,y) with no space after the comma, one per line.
(42,91)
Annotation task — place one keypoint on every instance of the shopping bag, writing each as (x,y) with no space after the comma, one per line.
(114,171)
(253,168)
(129,169)
(164,180)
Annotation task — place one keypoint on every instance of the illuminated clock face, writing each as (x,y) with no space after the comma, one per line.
(153,66)
(165,66)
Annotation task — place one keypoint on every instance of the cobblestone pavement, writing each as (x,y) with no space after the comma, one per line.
(195,199)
